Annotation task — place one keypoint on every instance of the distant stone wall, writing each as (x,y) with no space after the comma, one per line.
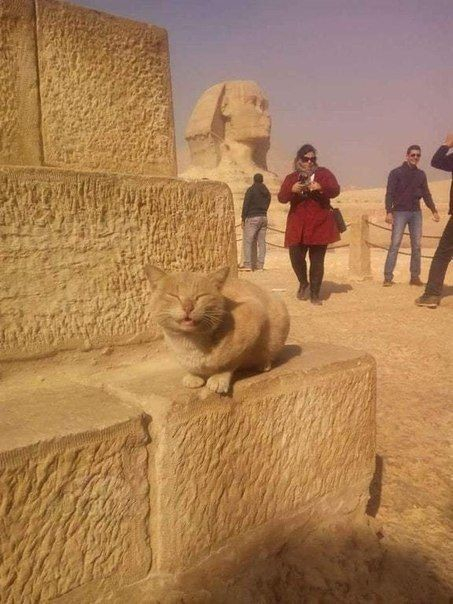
(82,89)
(73,247)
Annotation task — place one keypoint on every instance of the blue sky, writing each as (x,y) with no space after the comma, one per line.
(361,80)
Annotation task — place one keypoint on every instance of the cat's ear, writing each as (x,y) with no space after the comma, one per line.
(154,274)
(219,276)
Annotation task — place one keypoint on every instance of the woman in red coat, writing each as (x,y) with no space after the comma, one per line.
(310,225)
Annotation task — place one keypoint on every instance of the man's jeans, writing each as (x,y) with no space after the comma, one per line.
(255,236)
(400,219)
(440,262)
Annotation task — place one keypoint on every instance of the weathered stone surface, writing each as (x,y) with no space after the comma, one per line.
(73,247)
(20,138)
(105,91)
(233,468)
(74,497)
(221,483)
(229,135)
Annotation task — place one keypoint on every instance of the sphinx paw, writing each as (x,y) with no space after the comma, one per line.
(219,382)
(192,381)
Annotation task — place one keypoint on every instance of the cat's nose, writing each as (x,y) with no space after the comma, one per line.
(187,306)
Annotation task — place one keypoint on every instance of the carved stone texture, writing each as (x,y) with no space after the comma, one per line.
(20,138)
(105,92)
(229,135)
(73,492)
(234,469)
(73,247)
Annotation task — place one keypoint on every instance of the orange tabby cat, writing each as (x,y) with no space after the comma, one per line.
(216,326)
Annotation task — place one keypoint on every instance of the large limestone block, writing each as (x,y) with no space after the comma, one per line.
(105,91)
(20,138)
(73,492)
(295,442)
(73,247)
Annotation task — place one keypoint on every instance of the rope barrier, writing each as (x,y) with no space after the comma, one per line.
(378,226)
(382,247)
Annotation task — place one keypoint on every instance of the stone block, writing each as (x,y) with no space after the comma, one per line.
(287,446)
(73,491)
(105,89)
(73,247)
(20,136)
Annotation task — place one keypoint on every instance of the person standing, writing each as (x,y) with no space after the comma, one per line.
(254,223)
(310,225)
(406,185)
(443,160)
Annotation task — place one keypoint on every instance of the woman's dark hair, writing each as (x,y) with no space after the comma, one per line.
(304,150)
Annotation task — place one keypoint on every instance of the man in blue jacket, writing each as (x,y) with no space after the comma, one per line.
(406,185)
(443,160)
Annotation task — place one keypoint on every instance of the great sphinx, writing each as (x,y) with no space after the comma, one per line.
(228,135)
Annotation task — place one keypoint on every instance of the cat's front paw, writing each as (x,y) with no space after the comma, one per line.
(192,381)
(219,382)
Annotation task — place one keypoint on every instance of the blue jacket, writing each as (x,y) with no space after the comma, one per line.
(406,185)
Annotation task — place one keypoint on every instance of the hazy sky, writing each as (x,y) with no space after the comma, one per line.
(359,79)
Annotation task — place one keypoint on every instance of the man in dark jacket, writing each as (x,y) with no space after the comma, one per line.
(444,253)
(405,187)
(254,222)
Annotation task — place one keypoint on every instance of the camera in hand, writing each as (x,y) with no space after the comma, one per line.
(305,182)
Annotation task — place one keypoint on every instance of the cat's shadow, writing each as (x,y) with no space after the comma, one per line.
(288,352)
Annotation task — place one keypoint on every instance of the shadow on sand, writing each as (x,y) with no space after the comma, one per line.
(330,287)
(447,291)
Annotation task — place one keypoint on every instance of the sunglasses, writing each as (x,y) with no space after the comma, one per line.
(415,155)
(308,159)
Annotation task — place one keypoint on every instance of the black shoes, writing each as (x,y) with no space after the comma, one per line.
(428,301)
(303,293)
(387,283)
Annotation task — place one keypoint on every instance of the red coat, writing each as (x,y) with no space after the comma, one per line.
(310,219)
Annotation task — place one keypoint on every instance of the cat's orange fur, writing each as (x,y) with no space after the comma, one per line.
(217,325)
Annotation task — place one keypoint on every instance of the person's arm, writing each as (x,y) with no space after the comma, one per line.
(390,195)
(326,183)
(428,199)
(268,197)
(245,205)
(441,160)
(290,189)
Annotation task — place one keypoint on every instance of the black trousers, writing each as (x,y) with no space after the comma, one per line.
(316,253)
(440,262)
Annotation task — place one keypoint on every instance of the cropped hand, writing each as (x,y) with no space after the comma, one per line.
(314,186)
(436,217)
(449,140)
(389,218)
(297,187)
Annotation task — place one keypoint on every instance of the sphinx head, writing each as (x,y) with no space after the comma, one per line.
(230,119)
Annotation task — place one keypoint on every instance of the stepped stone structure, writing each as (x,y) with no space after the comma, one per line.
(229,135)
(116,484)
